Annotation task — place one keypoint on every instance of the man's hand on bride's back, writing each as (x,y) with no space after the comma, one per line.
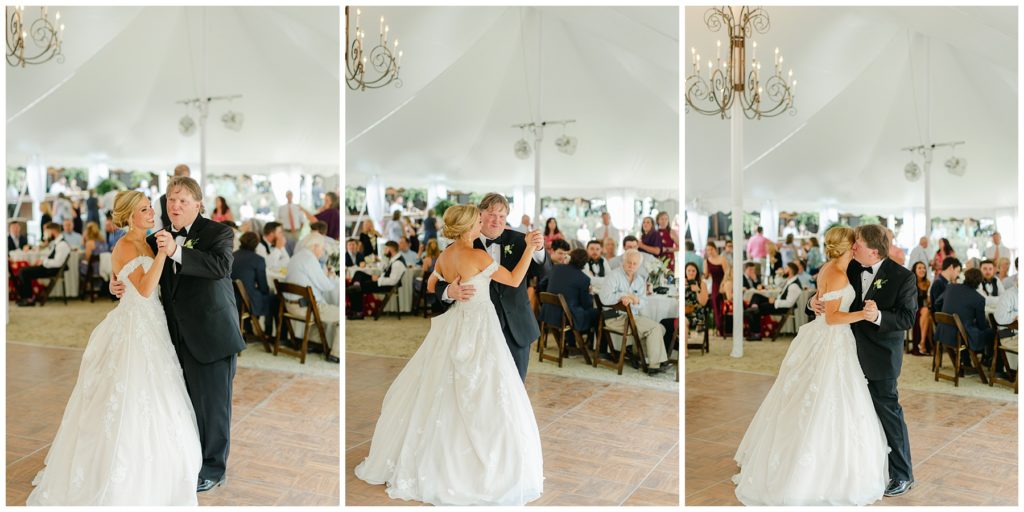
(116,287)
(460,292)
(817,306)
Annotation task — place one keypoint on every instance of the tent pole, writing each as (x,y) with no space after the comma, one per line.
(538,132)
(736,169)
(928,192)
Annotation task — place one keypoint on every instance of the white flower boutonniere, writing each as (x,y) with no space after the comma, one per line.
(508,249)
(879,284)
(190,244)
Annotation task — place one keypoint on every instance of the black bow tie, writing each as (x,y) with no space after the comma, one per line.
(183,233)
(488,242)
(869,270)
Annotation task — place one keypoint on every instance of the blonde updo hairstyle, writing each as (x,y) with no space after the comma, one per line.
(459,219)
(125,204)
(838,240)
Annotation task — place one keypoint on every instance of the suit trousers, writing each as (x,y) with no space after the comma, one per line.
(209,387)
(26,276)
(652,335)
(887,406)
(521,355)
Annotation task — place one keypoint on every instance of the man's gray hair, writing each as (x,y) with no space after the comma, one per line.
(631,253)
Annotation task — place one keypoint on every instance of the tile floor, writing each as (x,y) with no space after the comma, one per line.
(284,446)
(603,444)
(964,450)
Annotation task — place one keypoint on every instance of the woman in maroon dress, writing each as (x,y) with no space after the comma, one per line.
(669,245)
(714,266)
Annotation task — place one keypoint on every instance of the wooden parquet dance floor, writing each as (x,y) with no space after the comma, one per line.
(603,444)
(284,436)
(964,449)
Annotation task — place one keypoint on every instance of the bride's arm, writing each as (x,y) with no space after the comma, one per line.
(835,317)
(515,277)
(144,282)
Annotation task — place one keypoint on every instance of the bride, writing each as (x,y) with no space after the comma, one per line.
(129,434)
(456,426)
(816,439)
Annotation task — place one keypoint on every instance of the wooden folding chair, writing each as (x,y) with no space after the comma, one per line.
(783,320)
(52,285)
(702,325)
(245,313)
(392,292)
(92,283)
(999,352)
(559,331)
(628,329)
(302,297)
(955,350)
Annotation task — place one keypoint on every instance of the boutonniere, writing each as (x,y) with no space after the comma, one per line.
(190,244)
(879,284)
(508,249)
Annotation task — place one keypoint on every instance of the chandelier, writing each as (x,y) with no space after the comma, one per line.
(44,35)
(761,93)
(383,61)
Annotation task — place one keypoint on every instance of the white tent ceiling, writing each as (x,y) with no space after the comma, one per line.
(113,99)
(861,97)
(470,73)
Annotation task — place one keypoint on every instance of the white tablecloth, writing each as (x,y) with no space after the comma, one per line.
(405,294)
(106,267)
(71,277)
(660,307)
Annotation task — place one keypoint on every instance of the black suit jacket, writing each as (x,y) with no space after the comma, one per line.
(13,244)
(969,305)
(200,300)
(880,347)
(251,269)
(574,285)
(750,283)
(512,304)
(349,262)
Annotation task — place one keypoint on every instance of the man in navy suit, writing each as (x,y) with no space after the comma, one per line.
(251,269)
(569,281)
(964,301)
(353,256)
(15,238)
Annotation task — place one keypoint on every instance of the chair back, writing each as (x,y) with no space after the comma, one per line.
(557,300)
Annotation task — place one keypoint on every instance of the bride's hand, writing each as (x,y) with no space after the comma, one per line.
(535,240)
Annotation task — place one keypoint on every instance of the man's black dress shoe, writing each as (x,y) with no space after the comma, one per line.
(206,485)
(25,303)
(898,487)
(333,359)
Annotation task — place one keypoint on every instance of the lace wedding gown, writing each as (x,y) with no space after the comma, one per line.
(129,435)
(456,426)
(816,439)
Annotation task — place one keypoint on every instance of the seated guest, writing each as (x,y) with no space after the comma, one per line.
(69,235)
(274,246)
(113,232)
(628,286)
(237,233)
(596,265)
(1010,281)
(366,283)
(991,287)
(15,238)
(806,281)
(921,326)
(95,243)
(559,255)
(251,269)
(353,258)
(761,305)
(750,279)
(693,257)
(430,255)
(631,242)
(1003,269)
(609,246)
(950,274)
(696,294)
(47,267)
(1006,313)
(305,269)
(964,301)
(405,249)
(319,228)
(571,282)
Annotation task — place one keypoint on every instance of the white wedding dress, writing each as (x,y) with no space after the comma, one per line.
(816,439)
(456,426)
(129,434)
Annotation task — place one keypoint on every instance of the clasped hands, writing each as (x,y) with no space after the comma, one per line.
(165,242)
(870,309)
(457,291)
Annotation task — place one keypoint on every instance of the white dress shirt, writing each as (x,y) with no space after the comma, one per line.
(179,241)
(60,255)
(397,269)
(305,270)
(866,279)
(792,291)
(297,216)
(985,289)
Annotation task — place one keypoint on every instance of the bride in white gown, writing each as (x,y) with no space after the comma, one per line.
(456,426)
(129,434)
(816,439)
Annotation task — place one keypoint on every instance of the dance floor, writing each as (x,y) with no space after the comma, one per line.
(964,449)
(604,444)
(284,438)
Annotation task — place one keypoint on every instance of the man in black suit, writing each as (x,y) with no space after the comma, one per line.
(559,256)
(251,269)
(505,246)
(569,281)
(199,301)
(15,239)
(965,301)
(353,257)
(750,279)
(949,274)
(889,293)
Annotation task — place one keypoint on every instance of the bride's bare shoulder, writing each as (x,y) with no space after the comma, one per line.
(831,278)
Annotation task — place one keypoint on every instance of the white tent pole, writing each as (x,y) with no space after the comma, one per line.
(538,130)
(928,192)
(738,243)
(928,134)
(204,103)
